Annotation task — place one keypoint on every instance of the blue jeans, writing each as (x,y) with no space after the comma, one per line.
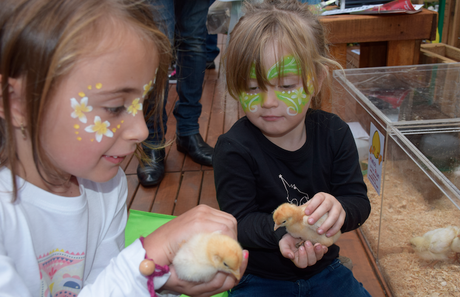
(185,24)
(334,281)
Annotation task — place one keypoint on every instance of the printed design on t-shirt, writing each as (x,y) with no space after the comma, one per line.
(61,273)
(293,194)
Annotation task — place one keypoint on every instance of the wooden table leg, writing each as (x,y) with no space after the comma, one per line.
(339,53)
(403,52)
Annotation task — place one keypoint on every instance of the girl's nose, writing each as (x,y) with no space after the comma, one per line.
(269,100)
(138,131)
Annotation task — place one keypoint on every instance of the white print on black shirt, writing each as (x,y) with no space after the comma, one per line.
(293,194)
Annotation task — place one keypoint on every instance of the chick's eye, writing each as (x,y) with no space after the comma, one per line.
(225,264)
(115,110)
(283,222)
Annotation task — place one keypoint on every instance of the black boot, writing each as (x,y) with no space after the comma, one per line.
(196,148)
(153,172)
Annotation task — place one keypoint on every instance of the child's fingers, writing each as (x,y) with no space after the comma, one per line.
(337,225)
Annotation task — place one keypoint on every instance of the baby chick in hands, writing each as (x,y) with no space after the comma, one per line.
(204,254)
(437,245)
(295,220)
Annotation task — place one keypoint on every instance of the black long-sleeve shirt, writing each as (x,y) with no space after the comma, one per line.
(253,176)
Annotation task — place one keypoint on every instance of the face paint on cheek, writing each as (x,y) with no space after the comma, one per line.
(295,100)
(250,102)
(100,128)
(79,109)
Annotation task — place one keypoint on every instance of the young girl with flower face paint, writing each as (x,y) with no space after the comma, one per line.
(75,79)
(287,150)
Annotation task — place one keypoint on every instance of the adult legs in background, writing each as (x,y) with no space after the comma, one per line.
(151,173)
(190,41)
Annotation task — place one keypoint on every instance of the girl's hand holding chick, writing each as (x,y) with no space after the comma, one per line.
(200,219)
(321,204)
(306,255)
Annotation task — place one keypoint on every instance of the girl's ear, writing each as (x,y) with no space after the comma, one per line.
(15,92)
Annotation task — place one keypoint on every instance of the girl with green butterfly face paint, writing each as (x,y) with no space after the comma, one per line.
(287,150)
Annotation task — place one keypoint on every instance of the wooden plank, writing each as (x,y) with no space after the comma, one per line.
(189,192)
(430,58)
(339,53)
(373,28)
(167,192)
(208,190)
(402,52)
(216,122)
(454,25)
(144,198)
(453,53)
(448,15)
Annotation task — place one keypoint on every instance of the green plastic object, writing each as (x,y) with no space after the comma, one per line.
(141,223)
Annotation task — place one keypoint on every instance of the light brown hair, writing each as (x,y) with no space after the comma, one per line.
(293,28)
(41,41)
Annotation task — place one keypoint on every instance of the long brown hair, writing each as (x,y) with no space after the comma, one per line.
(41,41)
(293,28)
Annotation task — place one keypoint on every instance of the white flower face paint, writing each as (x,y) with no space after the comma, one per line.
(79,109)
(100,128)
(135,107)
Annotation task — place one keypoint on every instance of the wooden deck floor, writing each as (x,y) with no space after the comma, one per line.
(187,184)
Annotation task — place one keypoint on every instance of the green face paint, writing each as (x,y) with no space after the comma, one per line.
(295,100)
(289,66)
(249,102)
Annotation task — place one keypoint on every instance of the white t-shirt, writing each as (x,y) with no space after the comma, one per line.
(67,246)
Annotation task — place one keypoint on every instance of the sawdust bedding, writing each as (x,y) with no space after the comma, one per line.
(410,208)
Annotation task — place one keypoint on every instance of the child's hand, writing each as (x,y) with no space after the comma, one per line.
(162,244)
(306,255)
(320,204)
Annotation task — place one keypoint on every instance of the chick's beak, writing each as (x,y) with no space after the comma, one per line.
(276,227)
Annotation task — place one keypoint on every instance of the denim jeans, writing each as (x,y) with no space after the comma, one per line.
(185,24)
(334,281)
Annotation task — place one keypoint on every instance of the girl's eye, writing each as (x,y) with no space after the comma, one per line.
(252,89)
(115,110)
(287,87)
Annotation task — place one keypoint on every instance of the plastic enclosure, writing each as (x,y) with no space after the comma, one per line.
(417,109)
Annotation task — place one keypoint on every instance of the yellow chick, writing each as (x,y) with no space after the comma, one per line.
(204,254)
(296,222)
(437,245)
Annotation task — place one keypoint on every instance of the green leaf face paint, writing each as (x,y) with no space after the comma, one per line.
(295,99)
(289,66)
(250,102)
